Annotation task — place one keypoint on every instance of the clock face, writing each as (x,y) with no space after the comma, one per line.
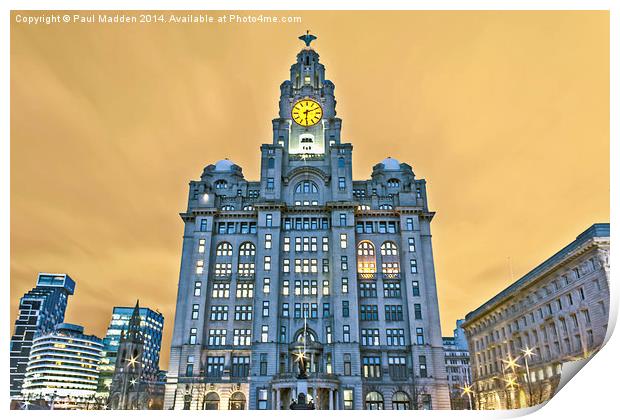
(307,112)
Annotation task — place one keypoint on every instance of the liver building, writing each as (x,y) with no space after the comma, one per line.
(308,264)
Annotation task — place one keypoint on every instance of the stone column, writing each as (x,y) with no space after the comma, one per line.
(331,398)
(278,398)
(273,399)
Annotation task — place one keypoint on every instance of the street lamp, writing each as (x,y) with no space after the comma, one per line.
(468,390)
(528,353)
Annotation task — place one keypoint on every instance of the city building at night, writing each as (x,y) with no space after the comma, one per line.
(151,326)
(457,368)
(62,367)
(556,313)
(307,263)
(39,311)
(136,382)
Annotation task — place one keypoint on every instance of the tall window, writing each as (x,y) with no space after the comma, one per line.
(345,308)
(342,183)
(268,241)
(417,310)
(415,287)
(366,257)
(343,219)
(343,241)
(347,364)
(346,334)
(419,334)
(264,334)
(370,337)
(270,183)
(411,244)
(215,366)
(217,337)
(389,258)
(371,366)
(347,398)
(192,335)
(224,249)
(240,366)
(345,285)
(269,220)
(241,337)
(413,264)
(195,309)
(201,246)
(422,366)
(397,366)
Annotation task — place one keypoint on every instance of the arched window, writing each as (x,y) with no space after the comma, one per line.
(306,187)
(366,262)
(341,162)
(374,401)
(390,261)
(385,207)
(271,163)
(237,401)
(221,184)
(212,401)
(363,207)
(400,401)
(308,336)
(393,183)
(224,249)
(389,248)
(228,208)
(248,207)
(247,249)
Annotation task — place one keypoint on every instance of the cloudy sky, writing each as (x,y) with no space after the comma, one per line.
(505,114)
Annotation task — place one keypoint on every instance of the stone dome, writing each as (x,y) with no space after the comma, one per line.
(391,164)
(223,165)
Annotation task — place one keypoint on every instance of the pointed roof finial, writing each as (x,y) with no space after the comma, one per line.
(307,38)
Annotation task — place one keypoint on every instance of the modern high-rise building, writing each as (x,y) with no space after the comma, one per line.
(520,339)
(151,326)
(62,367)
(39,311)
(307,261)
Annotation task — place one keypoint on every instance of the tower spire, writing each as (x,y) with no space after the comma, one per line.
(307,38)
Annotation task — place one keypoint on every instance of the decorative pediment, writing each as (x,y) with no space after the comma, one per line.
(305,170)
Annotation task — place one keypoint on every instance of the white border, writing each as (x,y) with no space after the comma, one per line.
(594,391)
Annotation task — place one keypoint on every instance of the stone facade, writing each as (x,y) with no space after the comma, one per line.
(307,258)
(559,311)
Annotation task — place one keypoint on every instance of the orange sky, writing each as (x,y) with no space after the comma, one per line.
(505,114)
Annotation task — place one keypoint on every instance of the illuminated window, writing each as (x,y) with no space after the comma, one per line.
(366,257)
(201,246)
(343,240)
(224,249)
(200,264)
(247,249)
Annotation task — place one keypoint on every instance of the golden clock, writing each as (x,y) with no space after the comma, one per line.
(307,112)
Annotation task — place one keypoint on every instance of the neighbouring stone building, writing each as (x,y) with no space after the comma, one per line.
(557,312)
(306,258)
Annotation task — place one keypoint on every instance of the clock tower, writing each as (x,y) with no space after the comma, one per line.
(301,96)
